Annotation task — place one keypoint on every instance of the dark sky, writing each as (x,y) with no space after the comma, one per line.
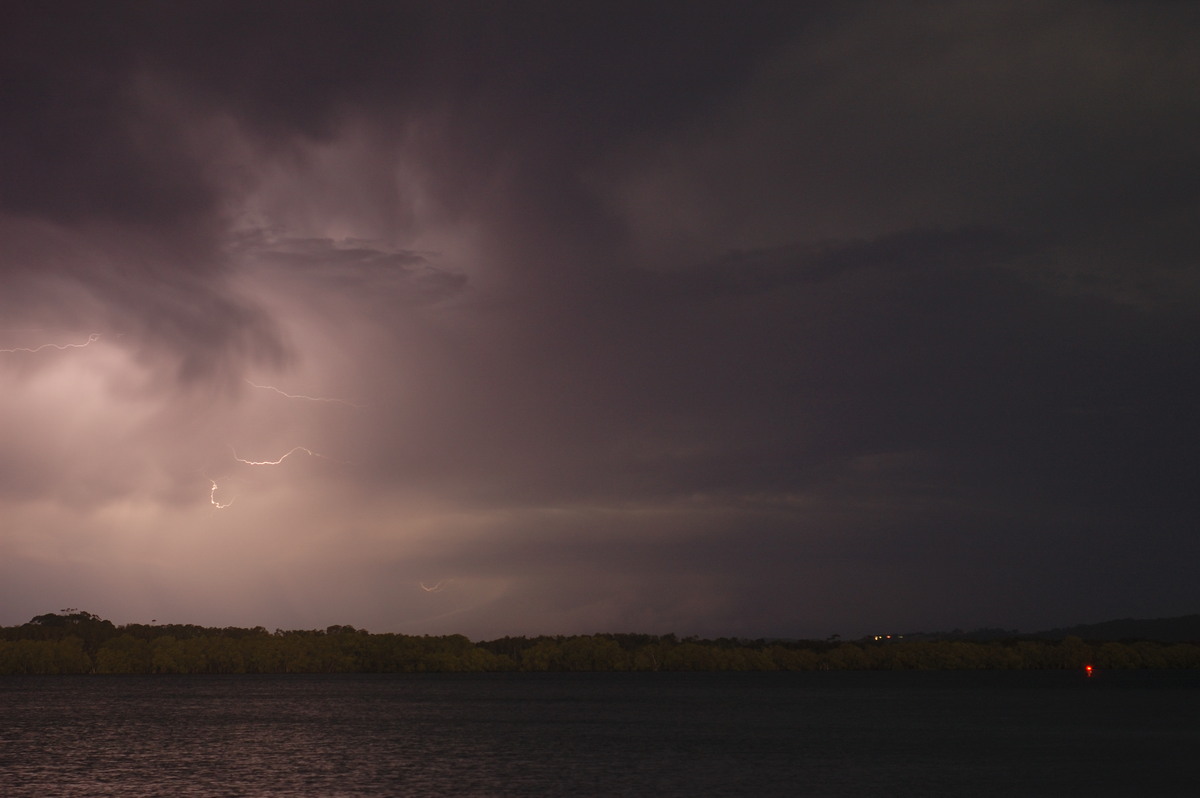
(520,318)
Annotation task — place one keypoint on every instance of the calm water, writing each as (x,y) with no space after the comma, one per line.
(798,734)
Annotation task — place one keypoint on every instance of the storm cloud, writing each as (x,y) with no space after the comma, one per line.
(604,317)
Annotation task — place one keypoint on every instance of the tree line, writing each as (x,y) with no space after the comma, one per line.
(82,643)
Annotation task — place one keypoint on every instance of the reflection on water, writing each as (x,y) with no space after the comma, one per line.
(790,734)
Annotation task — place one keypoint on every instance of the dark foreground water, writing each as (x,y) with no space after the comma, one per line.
(793,734)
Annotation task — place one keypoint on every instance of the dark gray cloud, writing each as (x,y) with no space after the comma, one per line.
(353,266)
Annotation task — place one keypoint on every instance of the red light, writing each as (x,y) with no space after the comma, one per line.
(1088,669)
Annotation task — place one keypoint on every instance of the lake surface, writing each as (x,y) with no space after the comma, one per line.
(640,734)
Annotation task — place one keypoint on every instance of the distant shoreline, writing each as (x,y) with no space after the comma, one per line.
(82,643)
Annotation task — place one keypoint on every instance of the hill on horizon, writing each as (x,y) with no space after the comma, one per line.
(1179,629)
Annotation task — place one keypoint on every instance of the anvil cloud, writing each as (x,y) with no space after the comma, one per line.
(702,318)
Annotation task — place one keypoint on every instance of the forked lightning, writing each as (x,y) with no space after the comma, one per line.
(212,497)
(93,338)
(285,456)
(304,397)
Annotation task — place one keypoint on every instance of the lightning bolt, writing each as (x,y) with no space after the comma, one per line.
(441,583)
(285,456)
(212,497)
(93,338)
(325,399)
